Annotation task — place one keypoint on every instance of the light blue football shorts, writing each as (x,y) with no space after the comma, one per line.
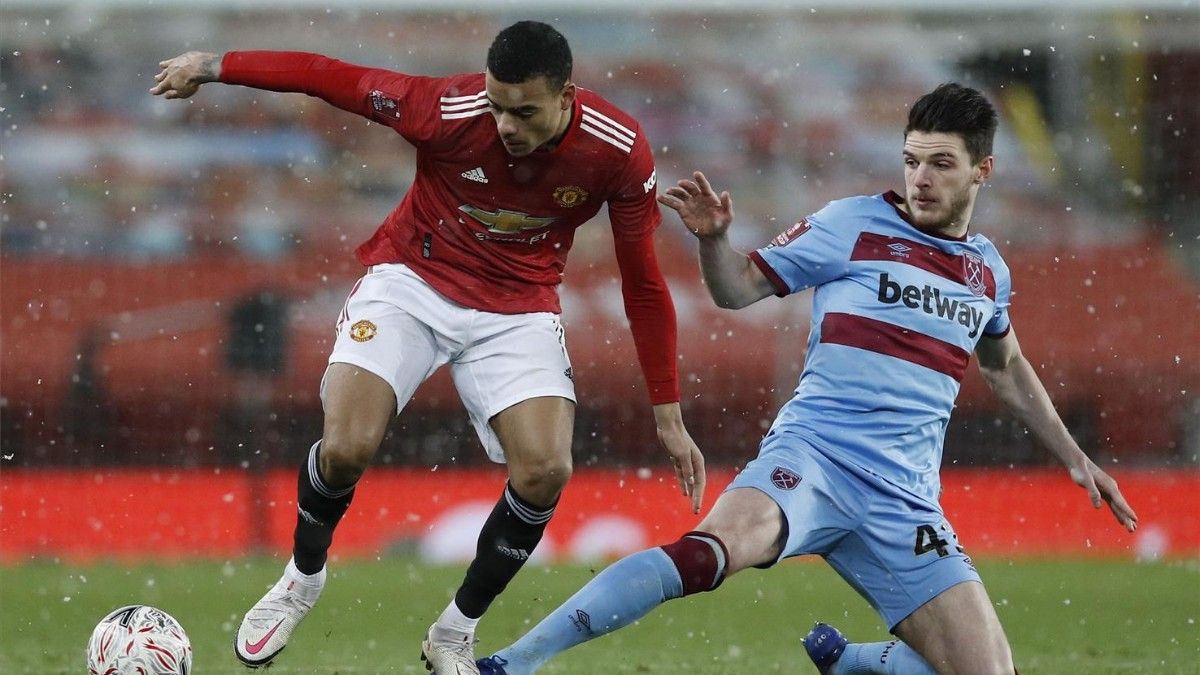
(897,550)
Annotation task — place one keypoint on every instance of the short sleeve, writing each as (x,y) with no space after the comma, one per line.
(999,323)
(811,252)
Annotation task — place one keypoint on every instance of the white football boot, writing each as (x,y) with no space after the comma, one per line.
(268,625)
(449,652)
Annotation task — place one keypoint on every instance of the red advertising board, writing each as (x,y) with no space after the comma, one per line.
(136,514)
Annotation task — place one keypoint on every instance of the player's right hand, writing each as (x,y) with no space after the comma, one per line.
(1102,489)
(181,76)
(702,210)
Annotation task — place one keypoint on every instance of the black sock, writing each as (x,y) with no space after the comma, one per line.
(509,535)
(319,508)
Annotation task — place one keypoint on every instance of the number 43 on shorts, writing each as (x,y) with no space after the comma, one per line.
(928,540)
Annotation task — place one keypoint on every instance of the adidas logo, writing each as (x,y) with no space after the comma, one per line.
(476,175)
(309,518)
(514,553)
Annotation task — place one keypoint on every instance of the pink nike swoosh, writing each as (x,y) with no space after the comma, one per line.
(254,648)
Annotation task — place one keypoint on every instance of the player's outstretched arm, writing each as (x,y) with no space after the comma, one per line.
(181,76)
(1014,381)
(685,456)
(733,280)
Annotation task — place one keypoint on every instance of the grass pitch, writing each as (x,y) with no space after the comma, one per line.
(1096,617)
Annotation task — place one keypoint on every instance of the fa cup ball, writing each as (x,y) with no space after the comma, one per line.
(141,640)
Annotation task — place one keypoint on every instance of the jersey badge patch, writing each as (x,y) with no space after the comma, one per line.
(384,104)
(791,234)
(784,479)
(569,195)
(362,331)
(973,273)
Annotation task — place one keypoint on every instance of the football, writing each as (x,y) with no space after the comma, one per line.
(139,639)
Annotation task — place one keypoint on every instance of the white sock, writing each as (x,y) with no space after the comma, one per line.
(311,580)
(453,618)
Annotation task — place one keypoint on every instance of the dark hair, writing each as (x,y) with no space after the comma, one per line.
(527,50)
(953,108)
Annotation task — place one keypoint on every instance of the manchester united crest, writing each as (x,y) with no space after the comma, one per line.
(570,195)
(973,274)
(362,331)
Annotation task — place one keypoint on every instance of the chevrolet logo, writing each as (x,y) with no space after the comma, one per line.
(505,221)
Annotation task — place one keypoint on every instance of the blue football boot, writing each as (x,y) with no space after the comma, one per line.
(824,645)
(492,665)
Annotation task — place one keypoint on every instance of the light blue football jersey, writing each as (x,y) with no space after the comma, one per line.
(896,315)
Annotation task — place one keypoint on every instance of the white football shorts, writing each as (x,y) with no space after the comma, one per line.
(398,327)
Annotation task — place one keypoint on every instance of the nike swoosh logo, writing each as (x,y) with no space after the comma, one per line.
(256,647)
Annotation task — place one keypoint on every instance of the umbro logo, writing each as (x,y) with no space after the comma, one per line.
(476,175)
(899,250)
(582,621)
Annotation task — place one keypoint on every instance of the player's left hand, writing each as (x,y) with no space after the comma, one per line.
(1101,489)
(685,456)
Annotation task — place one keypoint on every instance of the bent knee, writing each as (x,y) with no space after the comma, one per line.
(999,661)
(984,658)
(542,481)
(344,457)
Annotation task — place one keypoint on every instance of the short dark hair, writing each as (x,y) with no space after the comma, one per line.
(953,108)
(527,50)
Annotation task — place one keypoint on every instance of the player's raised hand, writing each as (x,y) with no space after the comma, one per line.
(702,210)
(1101,489)
(181,76)
(685,456)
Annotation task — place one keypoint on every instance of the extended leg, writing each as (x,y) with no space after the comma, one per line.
(741,531)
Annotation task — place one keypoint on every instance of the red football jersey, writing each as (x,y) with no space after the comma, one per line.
(486,229)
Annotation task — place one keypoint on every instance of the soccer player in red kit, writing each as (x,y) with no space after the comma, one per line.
(465,272)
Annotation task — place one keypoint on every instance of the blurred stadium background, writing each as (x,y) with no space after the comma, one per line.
(170,272)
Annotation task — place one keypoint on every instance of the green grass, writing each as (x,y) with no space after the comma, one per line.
(1061,616)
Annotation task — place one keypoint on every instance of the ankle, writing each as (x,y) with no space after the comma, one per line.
(453,620)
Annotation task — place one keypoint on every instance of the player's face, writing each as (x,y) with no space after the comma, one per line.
(529,114)
(940,181)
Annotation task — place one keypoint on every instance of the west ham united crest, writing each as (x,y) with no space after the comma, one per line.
(785,479)
(974,274)
(362,331)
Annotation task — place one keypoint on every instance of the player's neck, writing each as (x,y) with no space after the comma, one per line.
(563,125)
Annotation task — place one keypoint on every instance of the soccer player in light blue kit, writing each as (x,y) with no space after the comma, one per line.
(849,469)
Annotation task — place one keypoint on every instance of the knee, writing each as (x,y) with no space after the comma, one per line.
(1001,661)
(701,559)
(997,658)
(345,456)
(541,481)
(992,658)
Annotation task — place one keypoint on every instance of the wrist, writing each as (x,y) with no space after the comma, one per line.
(668,415)
(210,68)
